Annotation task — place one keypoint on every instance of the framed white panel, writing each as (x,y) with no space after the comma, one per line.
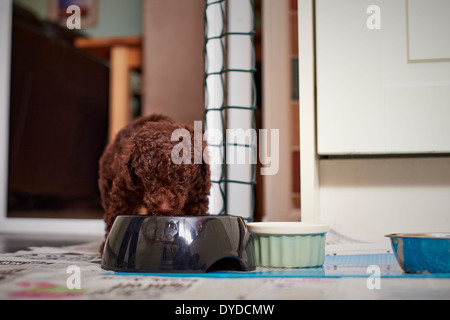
(415,119)
(371,97)
(428,29)
(349,80)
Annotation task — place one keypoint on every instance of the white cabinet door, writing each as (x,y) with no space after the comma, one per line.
(383,76)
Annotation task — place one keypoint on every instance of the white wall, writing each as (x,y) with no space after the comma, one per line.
(372,98)
(375,195)
(382,196)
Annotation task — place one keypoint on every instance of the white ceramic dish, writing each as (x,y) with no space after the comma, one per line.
(288,244)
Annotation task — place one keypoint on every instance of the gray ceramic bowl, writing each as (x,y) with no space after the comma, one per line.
(422,252)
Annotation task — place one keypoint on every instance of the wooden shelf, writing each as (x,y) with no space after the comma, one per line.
(125,55)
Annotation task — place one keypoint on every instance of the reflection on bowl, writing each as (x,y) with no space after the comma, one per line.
(422,252)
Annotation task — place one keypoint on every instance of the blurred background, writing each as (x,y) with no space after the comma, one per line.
(72,89)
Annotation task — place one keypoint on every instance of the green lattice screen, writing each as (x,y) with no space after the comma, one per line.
(230,103)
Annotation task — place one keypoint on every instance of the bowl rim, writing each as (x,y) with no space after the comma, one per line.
(143,216)
(290,228)
(424,235)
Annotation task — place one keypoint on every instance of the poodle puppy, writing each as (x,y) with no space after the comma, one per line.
(136,172)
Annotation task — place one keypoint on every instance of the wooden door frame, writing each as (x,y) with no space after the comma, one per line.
(309,159)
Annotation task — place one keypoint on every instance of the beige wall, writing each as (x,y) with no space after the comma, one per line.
(173,58)
(278,204)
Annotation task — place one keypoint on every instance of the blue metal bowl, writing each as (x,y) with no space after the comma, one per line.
(422,252)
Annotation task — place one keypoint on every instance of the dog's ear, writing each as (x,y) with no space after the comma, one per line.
(131,177)
(133,153)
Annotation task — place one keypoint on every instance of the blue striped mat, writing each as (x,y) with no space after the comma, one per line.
(335,266)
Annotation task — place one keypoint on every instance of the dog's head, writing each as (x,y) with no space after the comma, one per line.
(165,185)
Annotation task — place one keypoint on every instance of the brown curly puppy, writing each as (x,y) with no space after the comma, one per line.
(136,171)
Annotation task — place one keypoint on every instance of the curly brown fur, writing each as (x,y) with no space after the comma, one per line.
(136,171)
